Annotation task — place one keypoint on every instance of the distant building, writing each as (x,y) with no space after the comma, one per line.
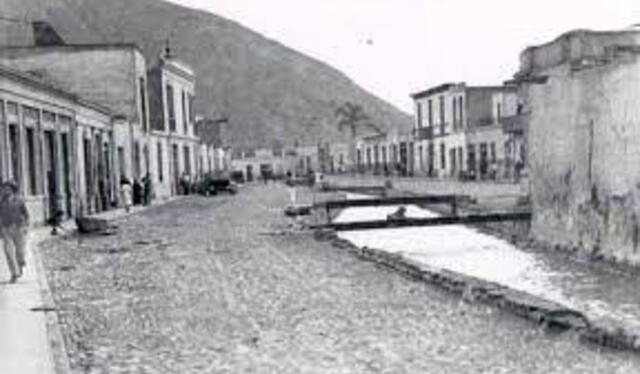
(214,155)
(258,163)
(56,146)
(459,131)
(581,105)
(175,144)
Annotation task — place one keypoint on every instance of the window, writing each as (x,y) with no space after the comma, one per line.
(461,109)
(430,110)
(454,111)
(192,115)
(499,111)
(419,113)
(160,161)
(143,104)
(171,112)
(185,122)
(443,156)
(442,129)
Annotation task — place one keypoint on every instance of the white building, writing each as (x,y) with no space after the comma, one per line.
(174,143)
(459,131)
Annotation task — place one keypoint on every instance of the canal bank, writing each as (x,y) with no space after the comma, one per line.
(534,283)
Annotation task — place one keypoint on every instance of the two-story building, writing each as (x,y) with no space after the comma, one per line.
(458,130)
(174,142)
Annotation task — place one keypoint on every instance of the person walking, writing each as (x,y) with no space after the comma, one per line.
(148,189)
(126,194)
(14,228)
(137,192)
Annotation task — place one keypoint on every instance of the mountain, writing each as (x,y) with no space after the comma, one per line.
(270,93)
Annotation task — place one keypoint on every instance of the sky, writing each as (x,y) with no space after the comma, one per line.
(396,47)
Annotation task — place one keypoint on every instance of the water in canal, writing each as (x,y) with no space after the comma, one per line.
(602,294)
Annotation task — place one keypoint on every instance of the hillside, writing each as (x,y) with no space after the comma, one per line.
(271,93)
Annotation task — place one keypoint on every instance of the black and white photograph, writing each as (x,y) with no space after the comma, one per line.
(319,186)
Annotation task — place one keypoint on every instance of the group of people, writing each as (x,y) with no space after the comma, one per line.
(140,192)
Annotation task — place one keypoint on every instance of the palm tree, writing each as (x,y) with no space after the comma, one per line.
(351,116)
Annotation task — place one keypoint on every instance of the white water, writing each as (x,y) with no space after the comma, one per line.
(455,248)
(465,250)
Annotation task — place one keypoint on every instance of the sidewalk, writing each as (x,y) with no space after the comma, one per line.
(30,341)
(24,342)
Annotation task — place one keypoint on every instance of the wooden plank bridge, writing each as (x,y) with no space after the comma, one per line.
(432,221)
(453,219)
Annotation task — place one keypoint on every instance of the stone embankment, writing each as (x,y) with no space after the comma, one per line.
(552,315)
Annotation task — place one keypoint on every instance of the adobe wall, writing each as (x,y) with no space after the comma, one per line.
(585,158)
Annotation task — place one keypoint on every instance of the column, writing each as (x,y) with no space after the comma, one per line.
(4,142)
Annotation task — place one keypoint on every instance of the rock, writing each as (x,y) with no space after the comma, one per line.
(297,210)
(88,225)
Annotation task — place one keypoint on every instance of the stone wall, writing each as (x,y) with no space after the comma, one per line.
(585,157)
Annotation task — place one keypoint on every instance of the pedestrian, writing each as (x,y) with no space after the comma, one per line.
(148,189)
(137,192)
(126,193)
(14,228)
(185,182)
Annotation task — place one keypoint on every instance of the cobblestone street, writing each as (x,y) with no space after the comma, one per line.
(208,285)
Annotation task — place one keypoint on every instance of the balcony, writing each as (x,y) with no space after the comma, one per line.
(423,133)
(515,124)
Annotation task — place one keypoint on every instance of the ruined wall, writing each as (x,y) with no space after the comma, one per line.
(574,46)
(585,158)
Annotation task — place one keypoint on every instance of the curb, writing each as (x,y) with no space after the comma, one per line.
(57,343)
(549,314)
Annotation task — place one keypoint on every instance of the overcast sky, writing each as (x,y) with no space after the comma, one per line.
(395,47)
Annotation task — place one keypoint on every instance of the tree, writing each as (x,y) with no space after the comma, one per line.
(352,116)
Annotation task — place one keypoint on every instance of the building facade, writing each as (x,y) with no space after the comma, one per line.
(112,75)
(581,101)
(459,131)
(256,164)
(56,147)
(174,141)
